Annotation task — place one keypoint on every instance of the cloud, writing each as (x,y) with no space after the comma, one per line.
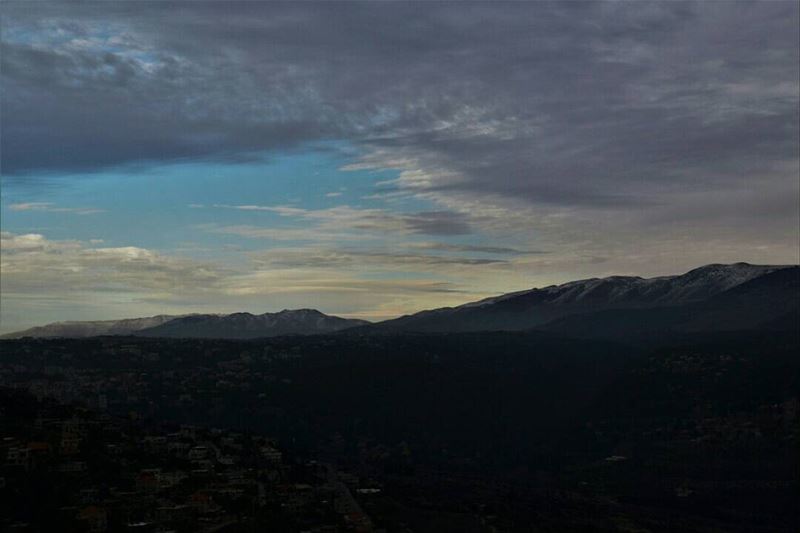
(599,104)
(276,233)
(475,248)
(45,280)
(31,262)
(30,241)
(549,112)
(49,207)
(364,220)
(312,257)
(437,223)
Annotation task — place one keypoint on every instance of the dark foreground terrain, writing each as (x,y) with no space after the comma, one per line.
(512,431)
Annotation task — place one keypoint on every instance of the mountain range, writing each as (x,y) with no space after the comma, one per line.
(714,296)
(248,326)
(710,298)
(233,326)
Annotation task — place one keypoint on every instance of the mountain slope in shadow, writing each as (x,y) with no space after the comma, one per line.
(768,302)
(626,294)
(248,326)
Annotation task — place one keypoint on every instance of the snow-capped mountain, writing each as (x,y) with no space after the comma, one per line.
(697,284)
(535,307)
(770,302)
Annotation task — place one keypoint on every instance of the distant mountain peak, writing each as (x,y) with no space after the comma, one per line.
(300,312)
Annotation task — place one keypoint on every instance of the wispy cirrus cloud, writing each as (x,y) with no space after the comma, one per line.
(440,222)
(448,247)
(250,231)
(52,208)
(371,259)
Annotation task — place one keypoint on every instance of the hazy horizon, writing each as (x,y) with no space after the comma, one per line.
(276,311)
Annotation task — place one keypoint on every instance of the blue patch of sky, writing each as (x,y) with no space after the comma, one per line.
(151,207)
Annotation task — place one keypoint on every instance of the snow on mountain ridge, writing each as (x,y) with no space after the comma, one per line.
(698,283)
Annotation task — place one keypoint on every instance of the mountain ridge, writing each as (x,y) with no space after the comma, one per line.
(91,328)
(610,300)
(247,325)
(285,322)
(770,303)
(538,306)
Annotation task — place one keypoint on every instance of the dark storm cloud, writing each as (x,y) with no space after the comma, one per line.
(579,104)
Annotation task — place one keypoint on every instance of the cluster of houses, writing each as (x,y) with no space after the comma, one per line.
(115,474)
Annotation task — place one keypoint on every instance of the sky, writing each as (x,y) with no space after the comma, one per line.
(376,159)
